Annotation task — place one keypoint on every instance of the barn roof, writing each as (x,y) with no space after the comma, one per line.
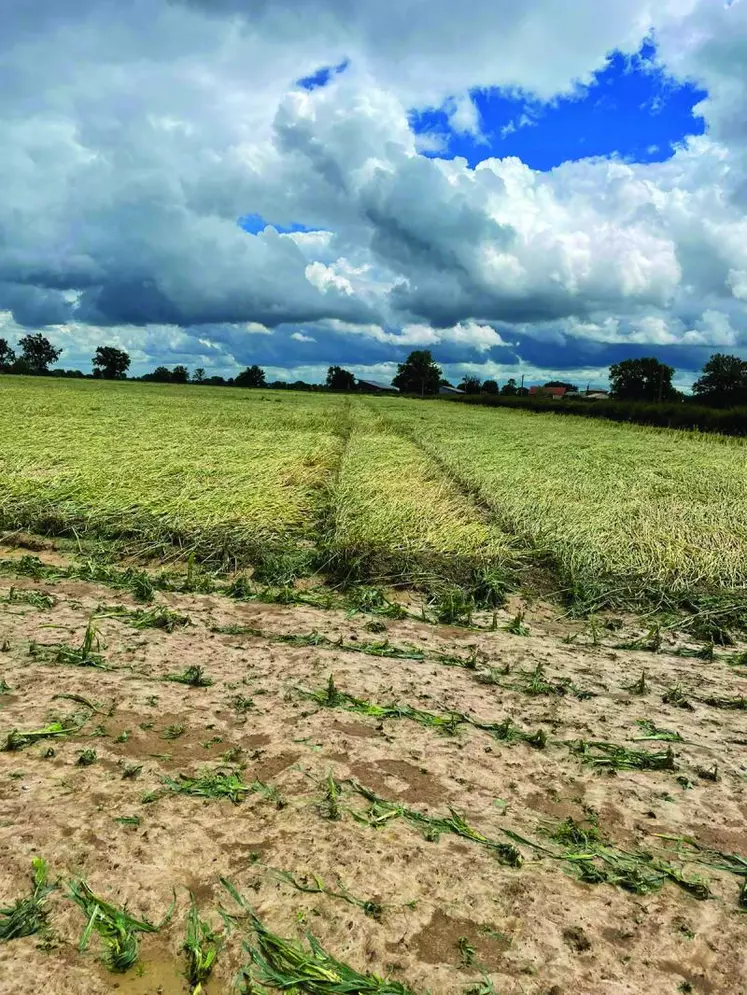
(377,385)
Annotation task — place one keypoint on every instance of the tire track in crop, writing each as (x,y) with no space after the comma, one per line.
(472,494)
(544,576)
(325,528)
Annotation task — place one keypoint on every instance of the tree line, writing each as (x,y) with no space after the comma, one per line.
(109,363)
(722,384)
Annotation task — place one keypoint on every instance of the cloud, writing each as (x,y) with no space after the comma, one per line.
(463,115)
(134,137)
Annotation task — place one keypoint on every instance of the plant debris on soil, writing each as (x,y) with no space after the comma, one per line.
(514,809)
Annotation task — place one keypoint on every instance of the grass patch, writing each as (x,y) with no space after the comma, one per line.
(737,704)
(41,600)
(536,683)
(28,915)
(18,739)
(157,617)
(116,928)
(381,648)
(330,808)
(652,732)
(331,697)
(675,695)
(732,863)
(88,654)
(317,639)
(201,948)
(194,677)
(173,731)
(382,811)
(215,784)
(286,965)
(314,885)
(582,847)
(611,756)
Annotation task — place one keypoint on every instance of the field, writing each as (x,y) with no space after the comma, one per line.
(377,487)
(459,693)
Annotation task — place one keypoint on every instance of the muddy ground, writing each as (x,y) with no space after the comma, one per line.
(455,918)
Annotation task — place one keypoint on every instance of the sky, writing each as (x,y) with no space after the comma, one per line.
(536,189)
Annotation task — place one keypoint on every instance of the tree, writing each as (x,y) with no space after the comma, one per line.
(509,389)
(253,376)
(470,385)
(418,374)
(724,381)
(562,383)
(38,352)
(110,363)
(7,356)
(180,374)
(642,380)
(490,387)
(161,375)
(339,379)
(199,375)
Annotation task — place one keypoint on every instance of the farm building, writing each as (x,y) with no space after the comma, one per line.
(587,395)
(555,392)
(373,387)
(448,389)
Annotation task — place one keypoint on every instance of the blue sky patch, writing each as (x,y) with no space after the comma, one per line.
(631,109)
(255,223)
(322,76)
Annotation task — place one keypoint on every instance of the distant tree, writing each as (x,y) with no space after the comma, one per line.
(253,376)
(642,380)
(489,387)
(418,374)
(724,381)
(7,356)
(562,383)
(339,379)
(470,385)
(110,363)
(509,389)
(199,375)
(180,374)
(38,352)
(161,374)
(215,381)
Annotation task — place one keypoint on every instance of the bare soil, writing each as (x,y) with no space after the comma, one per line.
(453,913)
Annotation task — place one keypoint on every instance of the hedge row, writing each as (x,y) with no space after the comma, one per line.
(682,415)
